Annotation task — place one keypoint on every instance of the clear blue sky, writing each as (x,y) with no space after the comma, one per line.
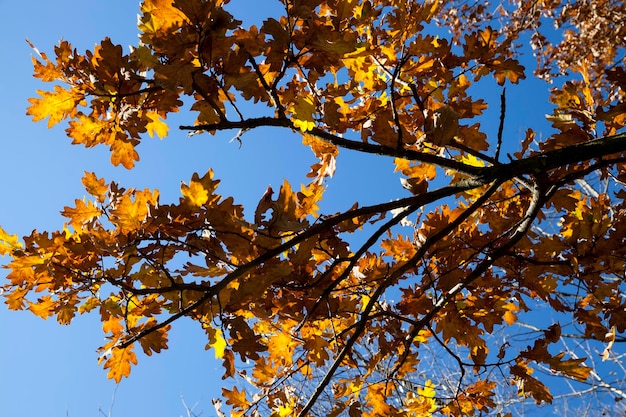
(51,370)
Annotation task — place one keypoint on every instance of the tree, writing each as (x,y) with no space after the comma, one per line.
(329,314)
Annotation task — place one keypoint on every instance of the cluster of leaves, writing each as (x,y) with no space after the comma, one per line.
(284,290)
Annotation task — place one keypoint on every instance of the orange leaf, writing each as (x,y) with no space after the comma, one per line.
(132,209)
(508,69)
(90,131)
(571,367)
(123,152)
(119,363)
(236,398)
(94,186)
(44,307)
(82,214)
(154,341)
(56,105)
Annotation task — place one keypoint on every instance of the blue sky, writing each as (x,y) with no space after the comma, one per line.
(51,370)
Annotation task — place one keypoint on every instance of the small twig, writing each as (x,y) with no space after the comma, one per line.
(501,126)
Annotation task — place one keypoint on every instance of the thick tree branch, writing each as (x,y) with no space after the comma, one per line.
(543,162)
(360,146)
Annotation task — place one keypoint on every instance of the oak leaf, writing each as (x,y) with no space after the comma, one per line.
(236,398)
(132,210)
(123,152)
(82,214)
(302,113)
(156,125)
(8,242)
(216,341)
(44,307)
(56,106)
(154,341)
(119,362)
(95,186)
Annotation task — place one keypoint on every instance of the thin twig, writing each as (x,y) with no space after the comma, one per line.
(501,126)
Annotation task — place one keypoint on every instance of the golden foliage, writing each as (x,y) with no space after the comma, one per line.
(306,297)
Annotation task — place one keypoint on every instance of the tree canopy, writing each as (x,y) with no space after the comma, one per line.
(316,313)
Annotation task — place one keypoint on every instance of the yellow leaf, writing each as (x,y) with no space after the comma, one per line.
(90,304)
(561,121)
(113,325)
(428,391)
(302,112)
(48,72)
(285,410)
(156,125)
(318,146)
(509,316)
(8,242)
(427,395)
(365,299)
(56,105)
(472,160)
(195,193)
(200,188)
(282,347)
(15,298)
(219,345)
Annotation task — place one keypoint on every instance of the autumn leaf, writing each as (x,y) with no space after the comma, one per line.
(217,342)
(508,69)
(132,209)
(195,193)
(445,126)
(47,71)
(82,214)
(156,125)
(229,364)
(95,186)
(236,398)
(66,310)
(119,362)
(302,112)
(471,160)
(44,307)
(199,190)
(56,105)
(571,367)
(154,341)
(123,152)
(90,131)
(8,242)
